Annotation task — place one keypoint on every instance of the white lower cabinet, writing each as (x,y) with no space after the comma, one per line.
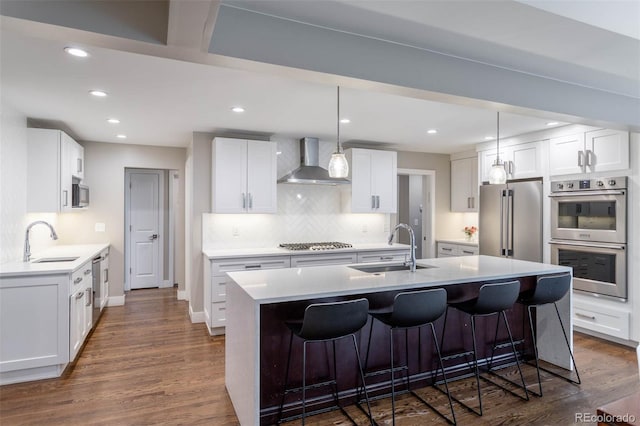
(80,308)
(607,317)
(34,327)
(215,291)
(446,249)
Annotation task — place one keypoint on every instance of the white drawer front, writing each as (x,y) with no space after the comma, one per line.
(220,267)
(601,319)
(445,249)
(219,289)
(218,314)
(468,251)
(323,259)
(383,256)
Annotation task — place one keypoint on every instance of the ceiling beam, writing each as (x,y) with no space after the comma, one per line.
(191,23)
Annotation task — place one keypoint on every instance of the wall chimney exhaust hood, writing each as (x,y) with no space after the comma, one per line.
(309,171)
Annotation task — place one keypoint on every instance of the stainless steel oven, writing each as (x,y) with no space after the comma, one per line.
(589,233)
(589,210)
(598,268)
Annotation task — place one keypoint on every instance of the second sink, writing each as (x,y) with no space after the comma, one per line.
(55,259)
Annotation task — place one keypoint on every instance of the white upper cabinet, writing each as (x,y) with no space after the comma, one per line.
(243,176)
(374,180)
(521,161)
(52,166)
(464,185)
(596,151)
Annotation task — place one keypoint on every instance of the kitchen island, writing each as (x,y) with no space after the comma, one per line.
(258,303)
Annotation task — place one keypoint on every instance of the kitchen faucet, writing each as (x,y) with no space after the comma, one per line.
(412,241)
(27,246)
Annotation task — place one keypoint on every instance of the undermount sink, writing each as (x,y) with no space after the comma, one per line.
(387,268)
(55,259)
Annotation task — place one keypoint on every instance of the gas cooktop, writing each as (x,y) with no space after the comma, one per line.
(331,245)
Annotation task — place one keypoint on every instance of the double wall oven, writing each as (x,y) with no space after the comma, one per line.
(589,233)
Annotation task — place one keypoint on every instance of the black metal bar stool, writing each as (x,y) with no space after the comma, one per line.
(549,289)
(411,310)
(493,299)
(324,322)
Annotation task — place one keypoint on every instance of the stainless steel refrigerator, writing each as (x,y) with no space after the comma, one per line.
(510,222)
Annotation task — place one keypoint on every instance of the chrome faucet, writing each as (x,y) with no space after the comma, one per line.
(412,241)
(27,247)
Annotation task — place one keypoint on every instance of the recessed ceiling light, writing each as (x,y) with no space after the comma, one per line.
(488,138)
(345,121)
(121,136)
(113,121)
(74,51)
(98,93)
(237,109)
(432,131)
(552,123)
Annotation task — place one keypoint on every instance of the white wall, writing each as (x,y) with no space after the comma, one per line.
(13,185)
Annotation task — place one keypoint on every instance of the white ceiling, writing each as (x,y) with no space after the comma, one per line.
(162,101)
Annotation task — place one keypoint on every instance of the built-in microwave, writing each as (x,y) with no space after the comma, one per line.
(79,195)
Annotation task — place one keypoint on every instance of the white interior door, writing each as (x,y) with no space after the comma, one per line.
(144,228)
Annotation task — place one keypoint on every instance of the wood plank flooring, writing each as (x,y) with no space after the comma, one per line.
(147,364)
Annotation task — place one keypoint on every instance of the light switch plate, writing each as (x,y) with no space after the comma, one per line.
(100,227)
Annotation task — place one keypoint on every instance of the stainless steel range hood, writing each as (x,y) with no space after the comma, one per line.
(309,171)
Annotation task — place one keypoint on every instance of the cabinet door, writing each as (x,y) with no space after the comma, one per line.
(362,200)
(464,185)
(75,156)
(566,154)
(104,279)
(303,261)
(384,181)
(607,150)
(526,161)
(261,177)
(88,307)
(67,147)
(76,322)
(229,175)
(383,256)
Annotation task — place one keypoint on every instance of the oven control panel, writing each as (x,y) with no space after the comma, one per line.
(589,184)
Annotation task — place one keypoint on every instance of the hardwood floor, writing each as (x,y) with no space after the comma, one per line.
(147,364)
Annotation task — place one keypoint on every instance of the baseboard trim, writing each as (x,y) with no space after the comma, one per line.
(182,295)
(196,317)
(115,301)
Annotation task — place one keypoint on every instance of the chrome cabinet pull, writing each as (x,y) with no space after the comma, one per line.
(79,167)
(87,272)
(589,158)
(467,252)
(386,257)
(252,266)
(88,302)
(80,295)
(377,201)
(77,280)
(106,275)
(591,317)
(445,249)
(66,198)
(373,201)
(580,158)
(244,201)
(250,200)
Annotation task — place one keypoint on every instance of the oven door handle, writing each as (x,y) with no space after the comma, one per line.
(585,193)
(588,244)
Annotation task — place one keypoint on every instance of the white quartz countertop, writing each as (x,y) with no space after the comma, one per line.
(283,285)
(461,241)
(84,253)
(277,251)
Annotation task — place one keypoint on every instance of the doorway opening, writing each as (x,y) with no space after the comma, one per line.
(149,228)
(416,207)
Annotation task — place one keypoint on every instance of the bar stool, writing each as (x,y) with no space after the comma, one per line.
(549,289)
(493,299)
(324,322)
(411,310)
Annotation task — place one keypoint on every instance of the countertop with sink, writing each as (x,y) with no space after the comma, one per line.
(60,259)
(277,251)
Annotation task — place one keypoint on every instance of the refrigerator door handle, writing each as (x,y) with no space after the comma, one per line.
(510,212)
(502,196)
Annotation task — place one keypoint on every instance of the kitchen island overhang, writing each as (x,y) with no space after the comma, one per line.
(259,301)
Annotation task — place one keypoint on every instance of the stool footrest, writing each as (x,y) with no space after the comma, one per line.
(508,344)
(384,371)
(311,386)
(456,355)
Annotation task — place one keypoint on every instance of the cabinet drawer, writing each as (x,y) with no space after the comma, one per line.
(78,278)
(323,259)
(445,249)
(383,256)
(218,314)
(602,319)
(219,289)
(220,267)
(468,251)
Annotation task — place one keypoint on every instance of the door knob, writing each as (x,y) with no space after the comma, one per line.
(153,237)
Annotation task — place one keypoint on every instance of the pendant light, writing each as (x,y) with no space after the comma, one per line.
(497,174)
(338,165)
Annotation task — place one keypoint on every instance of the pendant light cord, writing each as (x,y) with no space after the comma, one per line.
(498,139)
(338,122)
